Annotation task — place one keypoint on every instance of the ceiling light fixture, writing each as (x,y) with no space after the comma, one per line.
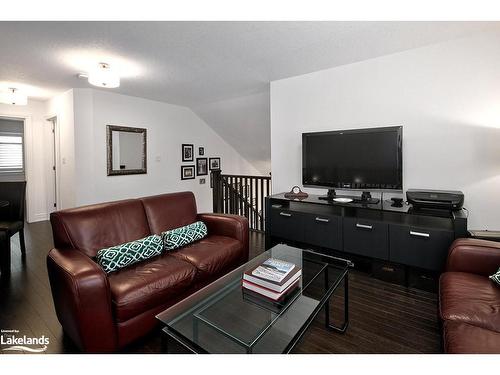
(104,76)
(13,96)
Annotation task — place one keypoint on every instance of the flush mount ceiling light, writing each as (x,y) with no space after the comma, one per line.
(103,76)
(13,96)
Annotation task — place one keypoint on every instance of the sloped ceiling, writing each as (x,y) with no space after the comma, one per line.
(244,123)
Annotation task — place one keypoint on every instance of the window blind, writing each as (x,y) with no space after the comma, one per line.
(11,153)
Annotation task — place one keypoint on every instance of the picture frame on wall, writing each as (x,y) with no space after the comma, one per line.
(201,151)
(187,152)
(187,172)
(201,166)
(214,163)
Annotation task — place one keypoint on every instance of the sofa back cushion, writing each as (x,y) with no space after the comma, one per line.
(91,228)
(169,211)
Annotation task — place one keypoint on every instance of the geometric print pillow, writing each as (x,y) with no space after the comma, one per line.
(179,237)
(120,256)
(496,277)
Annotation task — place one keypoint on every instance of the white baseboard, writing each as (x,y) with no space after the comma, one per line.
(38,217)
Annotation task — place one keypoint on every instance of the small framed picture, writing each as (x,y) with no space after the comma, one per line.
(201,166)
(187,152)
(214,163)
(201,151)
(202,181)
(187,172)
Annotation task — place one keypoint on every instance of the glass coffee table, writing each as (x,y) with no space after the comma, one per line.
(219,319)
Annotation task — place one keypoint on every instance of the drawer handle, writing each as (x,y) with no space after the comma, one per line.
(320,219)
(286,214)
(419,234)
(363,226)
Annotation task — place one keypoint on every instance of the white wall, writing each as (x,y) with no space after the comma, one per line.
(168,126)
(36,129)
(446,96)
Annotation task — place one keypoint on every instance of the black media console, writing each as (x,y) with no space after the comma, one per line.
(395,243)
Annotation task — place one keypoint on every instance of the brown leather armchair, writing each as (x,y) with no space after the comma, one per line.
(105,312)
(469,303)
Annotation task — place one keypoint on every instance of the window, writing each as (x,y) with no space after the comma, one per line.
(11,152)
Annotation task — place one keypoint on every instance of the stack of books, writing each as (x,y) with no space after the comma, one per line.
(275,280)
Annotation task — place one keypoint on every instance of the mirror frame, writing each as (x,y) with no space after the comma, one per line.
(109,142)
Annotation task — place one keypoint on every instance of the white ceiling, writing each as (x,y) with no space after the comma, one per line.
(204,64)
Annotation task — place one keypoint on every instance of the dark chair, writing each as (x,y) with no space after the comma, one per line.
(4,255)
(12,219)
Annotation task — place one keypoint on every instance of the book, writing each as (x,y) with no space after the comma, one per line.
(273,270)
(268,304)
(272,285)
(272,295)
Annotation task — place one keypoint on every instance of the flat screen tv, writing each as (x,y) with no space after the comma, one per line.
(361,159)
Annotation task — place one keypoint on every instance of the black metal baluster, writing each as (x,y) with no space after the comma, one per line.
(251,219)
(226,195)
(261,226)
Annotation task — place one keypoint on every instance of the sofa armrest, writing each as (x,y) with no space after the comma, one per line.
(82,299)
(471,255)
(233,226)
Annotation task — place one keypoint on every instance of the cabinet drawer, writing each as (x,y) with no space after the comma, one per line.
(419,247)
(323,230)
(366,237)
(286,224)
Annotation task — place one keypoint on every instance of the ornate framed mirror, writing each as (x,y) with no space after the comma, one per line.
(126,149)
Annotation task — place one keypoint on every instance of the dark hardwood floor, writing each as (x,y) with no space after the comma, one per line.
(384,318)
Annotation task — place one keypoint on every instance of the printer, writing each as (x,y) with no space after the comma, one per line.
(435,199)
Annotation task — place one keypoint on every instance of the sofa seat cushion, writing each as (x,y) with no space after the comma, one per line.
(211,255)
(148,284)
(463,338)
(471,299)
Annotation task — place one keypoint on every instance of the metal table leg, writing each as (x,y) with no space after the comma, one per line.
(164,342)
(345,324)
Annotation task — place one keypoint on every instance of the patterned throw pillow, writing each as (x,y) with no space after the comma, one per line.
(179,237)
(120,256)
(496,277)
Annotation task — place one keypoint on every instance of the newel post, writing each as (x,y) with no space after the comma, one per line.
(217,190)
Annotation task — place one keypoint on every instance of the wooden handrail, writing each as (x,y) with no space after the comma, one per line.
(246,176)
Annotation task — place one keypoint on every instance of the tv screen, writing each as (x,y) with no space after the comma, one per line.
(365,159)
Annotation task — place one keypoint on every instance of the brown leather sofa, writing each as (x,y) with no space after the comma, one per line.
(469,303)
(104,312)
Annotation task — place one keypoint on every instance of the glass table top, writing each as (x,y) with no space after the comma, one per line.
(220,318)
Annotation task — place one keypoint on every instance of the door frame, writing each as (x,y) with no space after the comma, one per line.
(57,160)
